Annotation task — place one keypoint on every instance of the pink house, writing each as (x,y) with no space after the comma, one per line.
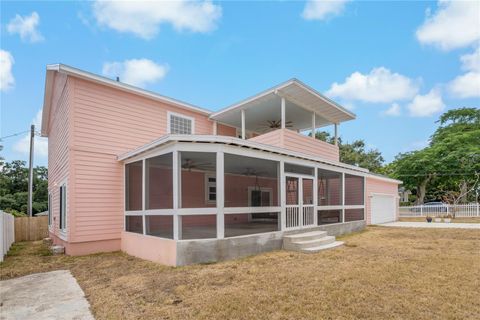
(170,182)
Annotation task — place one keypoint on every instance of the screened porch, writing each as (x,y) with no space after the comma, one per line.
(191,191)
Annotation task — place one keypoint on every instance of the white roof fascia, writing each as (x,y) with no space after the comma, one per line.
(232,140)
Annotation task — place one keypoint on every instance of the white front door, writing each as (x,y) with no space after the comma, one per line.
(383,208)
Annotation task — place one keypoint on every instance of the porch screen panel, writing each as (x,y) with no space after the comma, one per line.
(329,187)
(159,182)
(198,182)
(354,193)
(133,186)
(159,226)
(250,182)
(199,226)
(134,224)
(329,216)
(240,224)
(354,214)
(294,168)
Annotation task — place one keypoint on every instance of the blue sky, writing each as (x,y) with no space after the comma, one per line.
(397,65)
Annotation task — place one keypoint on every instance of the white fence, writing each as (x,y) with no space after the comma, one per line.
(459,210)
(7,233)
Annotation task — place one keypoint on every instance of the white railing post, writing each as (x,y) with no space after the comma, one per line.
(421,210)
(176,171)
(283,198)
(343,197)
(220,175)
(143,196)
(315,197)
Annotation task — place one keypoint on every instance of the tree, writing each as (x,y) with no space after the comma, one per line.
(14,186)
(355,153)
(450,164)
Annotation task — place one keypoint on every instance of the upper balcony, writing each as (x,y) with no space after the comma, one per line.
(293,141)
(283,116)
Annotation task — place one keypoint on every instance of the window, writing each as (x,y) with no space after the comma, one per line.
(63,207)
(260,197)
(180,124)
(49,209)
(211,188)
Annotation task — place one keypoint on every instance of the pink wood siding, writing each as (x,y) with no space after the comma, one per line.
(291,140)
(223,130)
(59,164)
(108,122)
(382,187)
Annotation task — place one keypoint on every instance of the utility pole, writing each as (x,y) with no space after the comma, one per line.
(30,172)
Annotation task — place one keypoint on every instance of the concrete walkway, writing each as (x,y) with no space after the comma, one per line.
(41,296)
(434,225)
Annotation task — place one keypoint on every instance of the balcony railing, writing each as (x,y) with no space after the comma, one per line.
(290,140)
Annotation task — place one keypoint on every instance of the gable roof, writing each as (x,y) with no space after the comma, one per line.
(74,72)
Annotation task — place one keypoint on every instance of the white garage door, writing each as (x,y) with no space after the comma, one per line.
(383,209)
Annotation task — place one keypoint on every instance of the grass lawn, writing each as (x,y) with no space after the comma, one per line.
(381,273)
(456,220)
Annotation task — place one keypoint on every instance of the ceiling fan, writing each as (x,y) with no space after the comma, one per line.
(190,164)
(275,124)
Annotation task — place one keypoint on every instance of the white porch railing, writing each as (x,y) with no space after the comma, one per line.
(459,210)
(292,216)
(308,215)
(7,234)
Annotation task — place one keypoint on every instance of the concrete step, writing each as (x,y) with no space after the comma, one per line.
(309,243)
(323,247)
(305,236)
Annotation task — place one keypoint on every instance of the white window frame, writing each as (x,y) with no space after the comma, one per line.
(63,209)
(169,119)
(50,216)
(209,184)
(250,189)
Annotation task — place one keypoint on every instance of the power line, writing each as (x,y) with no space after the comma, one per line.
(14,134)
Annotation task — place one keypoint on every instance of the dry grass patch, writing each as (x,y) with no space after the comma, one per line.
(382,273)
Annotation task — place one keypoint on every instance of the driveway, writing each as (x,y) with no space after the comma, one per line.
(433,225)
(48,295)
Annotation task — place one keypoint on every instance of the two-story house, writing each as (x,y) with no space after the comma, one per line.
(167,181)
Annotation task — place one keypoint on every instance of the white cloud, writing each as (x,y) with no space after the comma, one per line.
(137,72)
(426,105)
(466,85)
(7,81)
(40,145)
(471,62)
(393,111)
(380,85)
(321,10)
(26,27)
(144,18)
(455,24)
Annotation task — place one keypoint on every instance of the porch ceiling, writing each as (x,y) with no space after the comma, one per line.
(301,101)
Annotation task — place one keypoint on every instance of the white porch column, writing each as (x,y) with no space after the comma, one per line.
(220,175)
(336,134)
(243,124)
(283,197)
(315,197)
(214,128)
(313,125)
(343,197)
(177,220)
(143,196)
(283,113)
